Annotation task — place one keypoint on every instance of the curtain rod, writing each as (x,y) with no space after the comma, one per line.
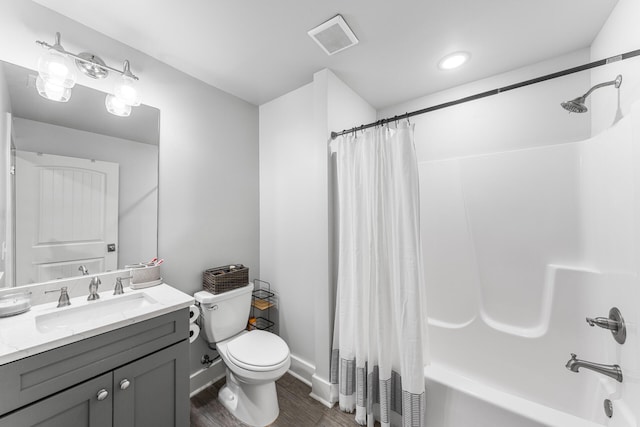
(568,71)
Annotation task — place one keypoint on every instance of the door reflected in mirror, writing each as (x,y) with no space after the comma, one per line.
(79,186)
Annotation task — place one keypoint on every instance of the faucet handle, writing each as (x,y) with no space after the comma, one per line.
(118,290)
(603,322)
(63,301)
(614,323)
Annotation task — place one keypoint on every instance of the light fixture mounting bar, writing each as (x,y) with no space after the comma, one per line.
(79,58)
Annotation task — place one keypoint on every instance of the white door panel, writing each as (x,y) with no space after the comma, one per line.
(67,214)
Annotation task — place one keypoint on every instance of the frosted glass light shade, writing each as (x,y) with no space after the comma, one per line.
(57,68)
(126,89)
(116,107)
(52,91)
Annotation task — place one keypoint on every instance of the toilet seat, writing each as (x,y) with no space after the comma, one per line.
(258,351)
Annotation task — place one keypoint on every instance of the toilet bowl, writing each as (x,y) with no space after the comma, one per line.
(254,360)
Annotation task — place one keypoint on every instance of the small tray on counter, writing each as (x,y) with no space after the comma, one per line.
(15,303)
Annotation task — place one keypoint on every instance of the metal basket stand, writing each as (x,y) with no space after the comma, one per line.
(263,303)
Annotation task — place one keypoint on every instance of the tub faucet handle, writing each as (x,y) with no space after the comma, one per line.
(603,322)
(614,323)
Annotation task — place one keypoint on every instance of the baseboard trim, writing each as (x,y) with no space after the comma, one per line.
(203,378)
(321,391)
(299,378)
(301,369)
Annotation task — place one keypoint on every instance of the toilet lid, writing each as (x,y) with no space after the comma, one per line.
(258,348)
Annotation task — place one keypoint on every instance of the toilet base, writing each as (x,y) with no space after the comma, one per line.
(253,404)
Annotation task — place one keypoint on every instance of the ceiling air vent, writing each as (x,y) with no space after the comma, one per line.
(334,35)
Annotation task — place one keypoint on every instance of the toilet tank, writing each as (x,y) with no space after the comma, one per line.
(226,314)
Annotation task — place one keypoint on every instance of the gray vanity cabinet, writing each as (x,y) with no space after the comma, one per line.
(151,392)
(77,407)
(137,375)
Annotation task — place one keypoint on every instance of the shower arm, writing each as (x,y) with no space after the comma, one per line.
(617,82)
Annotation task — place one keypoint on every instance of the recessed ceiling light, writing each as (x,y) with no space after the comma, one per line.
(453,60)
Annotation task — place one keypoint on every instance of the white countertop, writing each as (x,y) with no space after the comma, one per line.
(20,335)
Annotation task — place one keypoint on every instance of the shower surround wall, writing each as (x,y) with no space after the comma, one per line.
(520,247)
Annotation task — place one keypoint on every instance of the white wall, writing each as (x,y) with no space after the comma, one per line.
(286,233)
(5,150)
(295,240)
(619,34)
(138,189)
(208,186)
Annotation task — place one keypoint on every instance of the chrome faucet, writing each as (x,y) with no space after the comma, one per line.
(612,371)
(63,301)
(93,289)
(84,270)
(117,290)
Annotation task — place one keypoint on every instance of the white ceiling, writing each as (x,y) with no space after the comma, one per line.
(259,50)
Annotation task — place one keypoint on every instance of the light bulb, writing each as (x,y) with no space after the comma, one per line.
(116,107)
(57,68)
(52,91)
(127,91)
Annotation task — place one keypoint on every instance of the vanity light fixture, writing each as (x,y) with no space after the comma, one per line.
(57,76)
(453,60)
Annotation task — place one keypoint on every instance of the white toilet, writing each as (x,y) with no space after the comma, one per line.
(254,359)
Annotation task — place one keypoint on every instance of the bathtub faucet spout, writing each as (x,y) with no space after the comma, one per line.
(612,371)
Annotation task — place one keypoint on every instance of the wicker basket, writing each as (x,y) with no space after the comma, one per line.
(226,278)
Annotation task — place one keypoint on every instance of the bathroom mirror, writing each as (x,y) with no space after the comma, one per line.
(78,185)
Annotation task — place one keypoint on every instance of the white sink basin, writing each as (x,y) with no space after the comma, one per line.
(100,311)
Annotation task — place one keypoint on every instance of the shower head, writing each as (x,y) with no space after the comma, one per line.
(577,105)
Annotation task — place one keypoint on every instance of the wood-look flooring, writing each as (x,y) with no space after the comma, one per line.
(297,409)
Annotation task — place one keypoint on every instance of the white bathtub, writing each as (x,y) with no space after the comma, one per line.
(456,401)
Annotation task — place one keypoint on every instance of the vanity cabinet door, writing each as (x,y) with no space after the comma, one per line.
(154,390)
(88,404)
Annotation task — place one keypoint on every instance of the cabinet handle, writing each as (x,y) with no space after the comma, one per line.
(124,384)
(103,394)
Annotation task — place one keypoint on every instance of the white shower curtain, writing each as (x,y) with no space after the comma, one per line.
(378,356)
